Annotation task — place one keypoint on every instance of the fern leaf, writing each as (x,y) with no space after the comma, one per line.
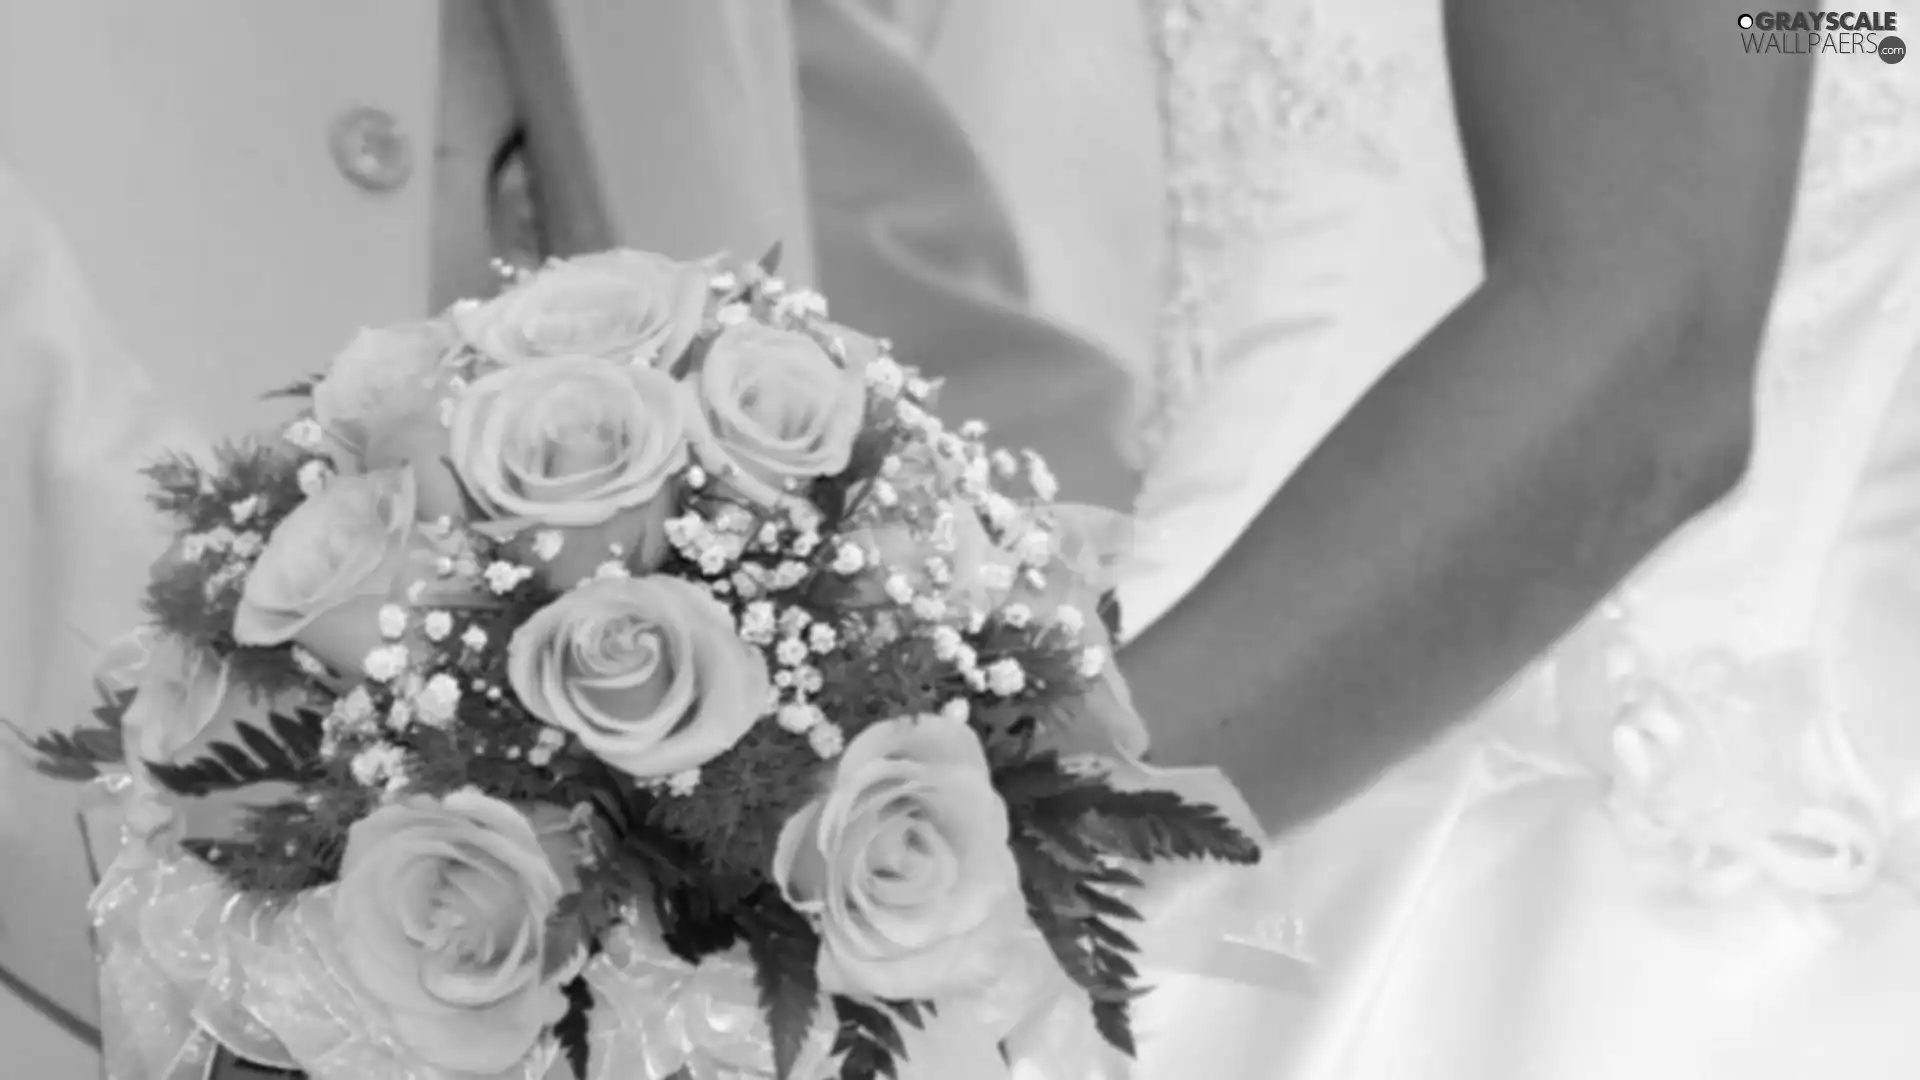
(785,952)
(289,755)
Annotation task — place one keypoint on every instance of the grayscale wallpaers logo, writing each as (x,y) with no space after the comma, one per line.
(1812,32)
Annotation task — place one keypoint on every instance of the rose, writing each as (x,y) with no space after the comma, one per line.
(776,409)
(648,672)
(616,305)
(581,446)
(905,866)
(442,913)
(381,380)
(330,566)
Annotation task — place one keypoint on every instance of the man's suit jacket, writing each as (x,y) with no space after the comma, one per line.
(188,200)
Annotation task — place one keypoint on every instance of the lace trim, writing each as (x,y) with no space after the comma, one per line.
(1251,91)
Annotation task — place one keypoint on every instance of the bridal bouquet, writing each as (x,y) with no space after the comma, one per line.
(642,679)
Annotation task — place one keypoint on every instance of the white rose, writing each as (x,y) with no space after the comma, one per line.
(617,305)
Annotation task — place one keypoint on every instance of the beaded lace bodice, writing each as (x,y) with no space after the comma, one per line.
(1730,705)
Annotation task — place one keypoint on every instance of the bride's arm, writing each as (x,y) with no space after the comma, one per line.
(1634,171)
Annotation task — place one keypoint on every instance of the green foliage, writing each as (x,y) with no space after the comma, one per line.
(867,1041)
(785,951)
(573,1029)
(78,755)
(195,598)
(286,848)
(1073,837)
(743,797)
(288,752)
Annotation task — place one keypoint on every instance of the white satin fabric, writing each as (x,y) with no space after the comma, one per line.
(1686,845)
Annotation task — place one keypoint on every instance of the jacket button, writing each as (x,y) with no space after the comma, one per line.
(370,150)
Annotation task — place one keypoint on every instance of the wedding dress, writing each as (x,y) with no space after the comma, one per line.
(1686,844)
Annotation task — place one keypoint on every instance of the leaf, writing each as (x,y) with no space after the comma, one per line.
(290,754)
(785,951)
(78,754)
(770,262)
(573,1028)
(1151,826)
(866,1040)
(1109,611)
(302,389)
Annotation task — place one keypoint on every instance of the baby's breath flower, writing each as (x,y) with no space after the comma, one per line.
(957,709)
(822,639)
(386,663)
(378,764)
(304,434)
(400,716)
(885,376)
(437,624)
(684,783)
(849,559)
(1092,661)
(799,717)
(890,466)
(475,639)
(1006,677)
(973,429)
(356,707)
(788,574)
(946,643)
(919,387)
(714,560)
(244,510)
(827,739)
(1016,616)
(439,700)
(611,570)
(1005,465)
(393,621)
(930,608)
(794,620)
(791,652)
(246,545)
(803,516)
(757,623)
(1070,619)
(1035,548)
(503,577)
(547,544)
(804,544)
(899,589)
(884,494)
